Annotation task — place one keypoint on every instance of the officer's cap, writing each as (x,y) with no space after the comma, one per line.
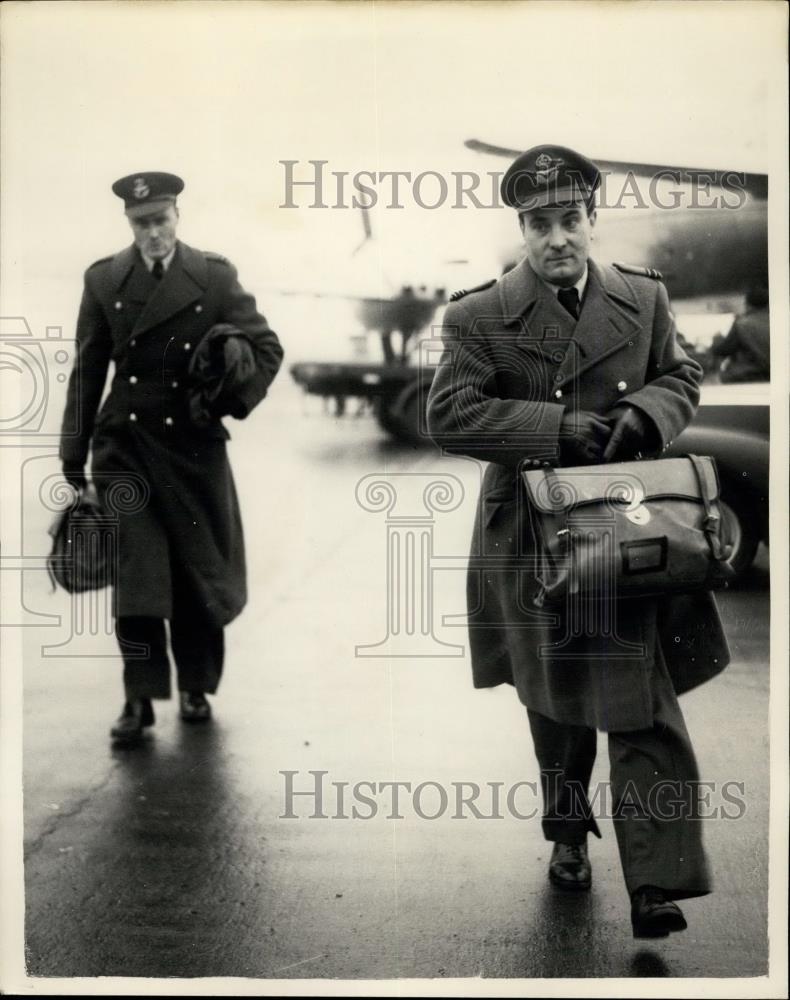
(144,194)
(549,175)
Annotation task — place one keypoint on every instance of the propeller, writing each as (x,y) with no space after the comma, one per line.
(366,228)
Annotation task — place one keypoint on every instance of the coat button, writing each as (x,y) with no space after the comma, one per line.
(558,394)
(132,342)
(198,308)
(133,379)
(622,386)
(187,346)
(169,421)
(174,384)
(119,305)
(133,416)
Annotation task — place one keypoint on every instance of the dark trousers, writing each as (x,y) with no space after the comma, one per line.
(198,649)
(653,796)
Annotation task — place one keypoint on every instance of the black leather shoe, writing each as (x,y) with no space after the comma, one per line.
(653,915)
(570,868)
(136,714)
(194,706)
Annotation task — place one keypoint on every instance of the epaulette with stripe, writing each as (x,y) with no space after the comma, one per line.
(646,272)
(468,291)
(210,255)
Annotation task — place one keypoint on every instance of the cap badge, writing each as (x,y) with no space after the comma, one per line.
(546,169)
(140,188)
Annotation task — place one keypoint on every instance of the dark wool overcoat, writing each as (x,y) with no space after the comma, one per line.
(513,360)
(168,482)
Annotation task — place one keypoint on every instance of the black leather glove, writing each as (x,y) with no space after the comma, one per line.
(583,437)
(631,433)
(239,361)
(74,474)
(236,360)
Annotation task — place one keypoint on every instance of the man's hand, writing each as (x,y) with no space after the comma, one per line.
(75,476)
(630,430)
(583,437)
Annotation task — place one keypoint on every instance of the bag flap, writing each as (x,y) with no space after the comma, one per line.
(553,491)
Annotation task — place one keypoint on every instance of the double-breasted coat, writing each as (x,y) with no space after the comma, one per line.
(169,482)
(514,359)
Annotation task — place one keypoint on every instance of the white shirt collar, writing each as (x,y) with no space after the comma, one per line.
(166,261)
(580,285)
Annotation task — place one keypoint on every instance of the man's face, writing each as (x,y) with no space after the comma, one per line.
(155,234)
(558,242)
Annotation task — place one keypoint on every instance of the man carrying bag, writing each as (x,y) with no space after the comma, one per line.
(158,446)
(563,362)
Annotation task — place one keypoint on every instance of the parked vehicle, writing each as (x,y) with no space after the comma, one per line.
(732,425)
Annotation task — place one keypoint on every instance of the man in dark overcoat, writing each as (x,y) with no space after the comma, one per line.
(161,471)
(567,362)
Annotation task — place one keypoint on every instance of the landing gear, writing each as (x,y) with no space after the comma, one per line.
(402,414)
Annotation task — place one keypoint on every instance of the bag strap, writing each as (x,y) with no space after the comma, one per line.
(544,574)
(709,493)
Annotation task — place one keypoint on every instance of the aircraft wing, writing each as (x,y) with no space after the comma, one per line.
(755,184)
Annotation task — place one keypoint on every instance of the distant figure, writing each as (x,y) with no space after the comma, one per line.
(408,313)
(149,309)
(746,349)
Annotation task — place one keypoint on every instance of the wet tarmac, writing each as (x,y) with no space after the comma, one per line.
(172,858)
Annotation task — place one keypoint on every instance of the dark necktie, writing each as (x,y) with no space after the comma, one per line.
(159,269)
(569,299)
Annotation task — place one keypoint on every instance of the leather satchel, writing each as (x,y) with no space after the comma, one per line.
(628,529)
(83,546)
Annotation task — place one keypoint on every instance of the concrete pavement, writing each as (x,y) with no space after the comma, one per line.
(171,859)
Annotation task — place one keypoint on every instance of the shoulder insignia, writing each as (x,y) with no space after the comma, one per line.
(103,260)
(646,272)
(461,293)
(217,257)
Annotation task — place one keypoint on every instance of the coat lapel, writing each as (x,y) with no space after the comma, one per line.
(122,264)
(527,302)
(519,289)
(608,320)
(184,281)
(139,285)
